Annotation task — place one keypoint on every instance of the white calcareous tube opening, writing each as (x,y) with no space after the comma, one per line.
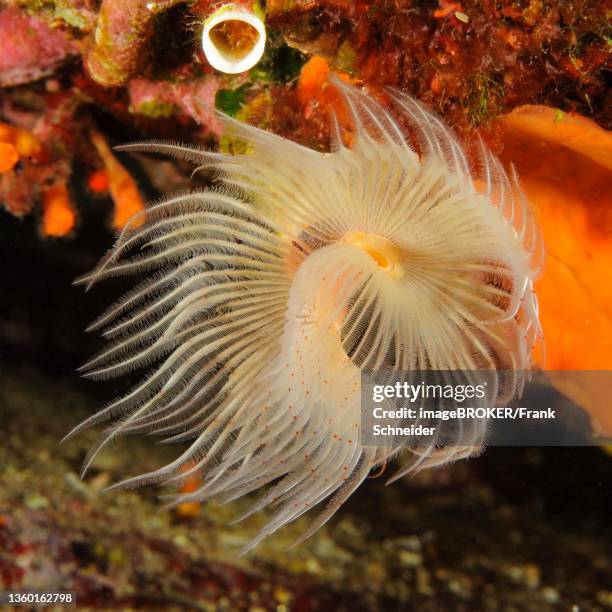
(233,39)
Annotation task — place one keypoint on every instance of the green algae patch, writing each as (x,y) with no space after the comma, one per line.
(230,101)
(156,109)
(485,99)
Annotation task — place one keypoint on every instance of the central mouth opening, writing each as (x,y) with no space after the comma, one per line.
(386,255)
(234,38)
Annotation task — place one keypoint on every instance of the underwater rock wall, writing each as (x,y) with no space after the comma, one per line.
(134,69)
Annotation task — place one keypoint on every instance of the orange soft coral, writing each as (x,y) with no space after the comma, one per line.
(564,161)
(8,156)
(193,481)
(316,94)
(98,181)
(123,189)
(23,143)
(59,217)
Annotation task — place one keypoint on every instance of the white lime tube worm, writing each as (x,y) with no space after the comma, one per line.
(234,37)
